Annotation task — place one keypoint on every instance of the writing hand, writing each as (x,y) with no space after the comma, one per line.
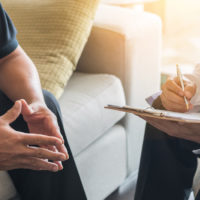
(172,94)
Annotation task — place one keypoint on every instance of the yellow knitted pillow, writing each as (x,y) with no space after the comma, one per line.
(53,33)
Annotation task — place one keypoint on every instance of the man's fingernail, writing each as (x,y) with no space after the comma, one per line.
(59,142)
(54,168)
(63,157)
(67,156)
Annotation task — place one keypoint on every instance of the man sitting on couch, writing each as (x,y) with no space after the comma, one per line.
(38,113)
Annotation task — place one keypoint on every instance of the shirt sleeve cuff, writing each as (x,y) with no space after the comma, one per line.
(8,48)
(153,97)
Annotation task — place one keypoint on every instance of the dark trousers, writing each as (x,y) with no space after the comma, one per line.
(167,167)
(44,185)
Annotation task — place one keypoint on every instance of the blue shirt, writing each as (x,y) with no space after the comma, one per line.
(8,41)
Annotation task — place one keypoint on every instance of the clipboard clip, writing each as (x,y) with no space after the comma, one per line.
(155,112)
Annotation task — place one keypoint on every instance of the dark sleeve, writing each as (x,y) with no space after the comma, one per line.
(8,41)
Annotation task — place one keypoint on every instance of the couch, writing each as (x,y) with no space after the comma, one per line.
(119,65)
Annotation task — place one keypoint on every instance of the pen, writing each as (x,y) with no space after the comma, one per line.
(179,74)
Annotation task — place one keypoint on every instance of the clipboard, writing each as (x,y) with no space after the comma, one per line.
(191,118)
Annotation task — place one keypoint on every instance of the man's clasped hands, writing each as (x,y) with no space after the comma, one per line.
(41,149)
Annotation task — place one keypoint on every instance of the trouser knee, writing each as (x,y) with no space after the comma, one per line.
(53,105)
(5,103)
(51,102)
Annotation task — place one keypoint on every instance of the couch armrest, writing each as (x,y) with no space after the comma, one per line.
(127,44)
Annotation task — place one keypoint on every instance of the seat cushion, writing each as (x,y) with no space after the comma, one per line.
(82,105)
(53,33)
(7,189)
(196,180)
(104,172)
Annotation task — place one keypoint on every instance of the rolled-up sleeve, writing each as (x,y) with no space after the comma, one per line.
(8,41)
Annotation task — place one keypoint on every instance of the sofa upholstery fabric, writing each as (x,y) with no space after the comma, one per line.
(103,165)
(7,189)
(82,106)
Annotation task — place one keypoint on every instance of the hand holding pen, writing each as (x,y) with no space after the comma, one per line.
(177,93)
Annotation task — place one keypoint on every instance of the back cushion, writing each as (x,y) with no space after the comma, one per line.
(53,33)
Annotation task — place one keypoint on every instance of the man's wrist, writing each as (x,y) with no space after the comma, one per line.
(37,105)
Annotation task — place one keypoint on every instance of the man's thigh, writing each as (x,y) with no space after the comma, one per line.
(44,185)
(167,166)
(5,103)
(198,196)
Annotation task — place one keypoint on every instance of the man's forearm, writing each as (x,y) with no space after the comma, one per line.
(19,78)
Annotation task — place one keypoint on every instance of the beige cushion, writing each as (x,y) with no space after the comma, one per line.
(53,33)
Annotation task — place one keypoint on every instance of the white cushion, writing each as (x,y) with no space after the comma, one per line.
(82,106)
(196,180)
(7,189)
(102,166)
